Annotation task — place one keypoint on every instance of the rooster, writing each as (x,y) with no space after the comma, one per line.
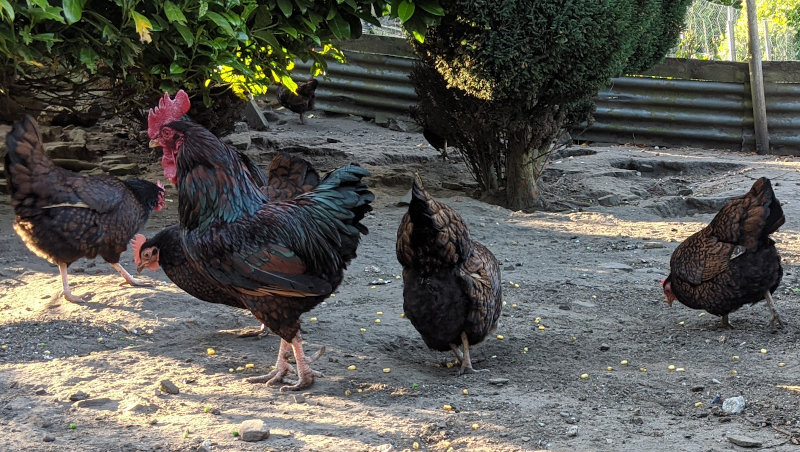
(288,177)
(63,216)
(451,293)
(732,261)
(281,258)
(301,102)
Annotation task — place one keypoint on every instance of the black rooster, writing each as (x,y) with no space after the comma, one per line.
(280,258)
(452,292)
(301,102)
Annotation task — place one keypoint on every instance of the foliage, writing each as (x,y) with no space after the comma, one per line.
(533,64)
(149,47)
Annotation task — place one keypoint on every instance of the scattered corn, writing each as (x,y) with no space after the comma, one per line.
(702,314)
(573,338)
(403,315)
(609,368)
(239,369)
(447,408)
(348,393)
(698,404)
(363,330)
(781,364)
(249,366)
(525,350)
(415,446)
(680,369)
(642,369)
(360,390)
(386,370)
(733,372)
(511,283)
(671,367)
(763,351)
(537,320)
(516,286)
(398,277)
(377,320)
(379,313)
(313,319)
(542,327)
(735,357)
(449,365)
(351,367)
(513,305)
(500,337)
(99,339)
(372,287)
(681,323)
(210,351)
(231,370)
(624,362)
(465,392)
(475,426)
(584,376)
(3,347)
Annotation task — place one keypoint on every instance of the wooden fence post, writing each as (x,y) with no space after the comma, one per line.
(757,81)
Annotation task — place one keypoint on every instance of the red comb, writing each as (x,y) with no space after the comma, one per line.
(168,110)
(136,243)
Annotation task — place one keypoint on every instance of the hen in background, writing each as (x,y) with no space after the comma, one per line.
(437,141)
(281,258)
(301,102)
(452,292)
(732,261)
(288,177)
(63,216)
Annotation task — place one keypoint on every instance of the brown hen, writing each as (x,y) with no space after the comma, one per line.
(732,261)
(452,293)
(300,102)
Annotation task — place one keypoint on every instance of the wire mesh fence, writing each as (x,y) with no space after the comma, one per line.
(718,32)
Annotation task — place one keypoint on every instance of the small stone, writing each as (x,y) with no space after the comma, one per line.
(80,395)
(40,421)
(609,200)
(744,441)
(240,141)
(253,430)
(733,405)
(572,431)
(617,267)
(698,388)
(124,169)
(299,399)
(168,387)
(48,438)
(605,347)
(74,164)
(254,116)
(498,381)
(652,245)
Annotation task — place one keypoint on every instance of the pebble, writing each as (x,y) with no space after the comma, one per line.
(744,441)
(733,405)
(605,347)
(48,438)
(253,430)
(572,431)
(617,266)
(299,399)
(498,381)
(168,387)
(80,395)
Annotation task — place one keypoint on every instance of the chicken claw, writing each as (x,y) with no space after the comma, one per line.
(128,278)
(305,374)
(775,322)
(66,292)
(282,367)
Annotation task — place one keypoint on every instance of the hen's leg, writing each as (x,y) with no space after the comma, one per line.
(128,278)
(457,352)
(776,321)
(305,373)
(466,363)
(62,268)
(725,322)
(282,367)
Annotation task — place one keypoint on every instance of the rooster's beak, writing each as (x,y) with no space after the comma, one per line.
(154,144)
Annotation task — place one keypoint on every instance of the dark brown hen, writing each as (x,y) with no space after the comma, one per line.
(732,261)
(452,292)
(281,258)
(63,216)
(301,102)
(288,177)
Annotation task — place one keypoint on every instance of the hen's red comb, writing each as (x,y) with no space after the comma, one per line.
(136,243)
(168,110)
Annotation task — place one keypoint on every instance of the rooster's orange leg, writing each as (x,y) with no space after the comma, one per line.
(776,321)
(305,373)
(128,278)
(62,268)
(282,367)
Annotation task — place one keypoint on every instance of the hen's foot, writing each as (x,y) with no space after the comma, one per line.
(470,370)
(725,322)
(775,322)
(130,279)
(72,298)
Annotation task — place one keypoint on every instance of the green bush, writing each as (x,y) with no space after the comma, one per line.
(135,49)
(534,64)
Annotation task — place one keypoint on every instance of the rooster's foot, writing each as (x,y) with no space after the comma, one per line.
(72,298)
(470,370)
(130,279)
(306,380)
(273,378)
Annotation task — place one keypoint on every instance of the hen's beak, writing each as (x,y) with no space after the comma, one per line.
(154,144)
(139,268)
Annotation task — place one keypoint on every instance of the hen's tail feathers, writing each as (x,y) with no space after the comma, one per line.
(762,190)
(26,163)
(290,176)
(258,176)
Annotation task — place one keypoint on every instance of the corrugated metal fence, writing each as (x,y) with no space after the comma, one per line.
(678,103)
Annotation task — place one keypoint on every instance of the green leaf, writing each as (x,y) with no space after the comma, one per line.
(268,37)
(291,31)
(405,10)
(286,80)
(203,9)
(89,58)
(9,10)
(339,27)
(186,34)
(176,68)
(73,9)
(174,13)
(221,22)
(286,7)
(431,7)
(418,36)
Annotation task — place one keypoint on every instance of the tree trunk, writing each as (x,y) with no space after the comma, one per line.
(522,187)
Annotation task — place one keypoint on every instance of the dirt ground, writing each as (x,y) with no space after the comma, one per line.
(582,294)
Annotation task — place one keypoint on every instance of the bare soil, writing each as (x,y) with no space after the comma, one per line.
(582,293)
